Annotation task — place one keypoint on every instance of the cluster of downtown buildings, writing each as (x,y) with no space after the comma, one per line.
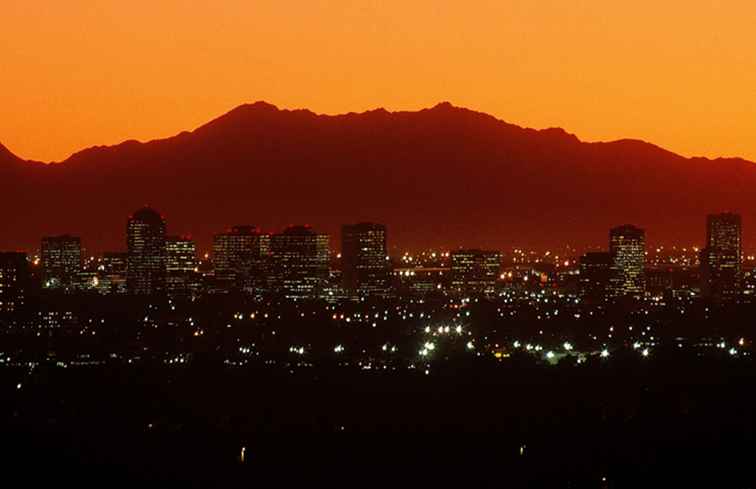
(622,271)
(297,264)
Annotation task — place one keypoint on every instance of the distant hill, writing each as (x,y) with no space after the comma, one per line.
(443,176)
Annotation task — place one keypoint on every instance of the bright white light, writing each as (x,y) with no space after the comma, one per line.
(516,344)
(427,329)
(645,352)
(733,351)
(470,345)
(338,349)
(636,345)
(567,346)
(604,353)
(549,355)
(458,329)
(429,345)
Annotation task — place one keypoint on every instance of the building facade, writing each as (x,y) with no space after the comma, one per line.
(366,269)
(627,247)
(240,258)
(14,281)
(474,271)
(721,271)
(181,273)
(299,262)
(61,262)
(146,253)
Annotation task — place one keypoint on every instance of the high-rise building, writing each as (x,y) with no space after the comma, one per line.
(595,272)
(61,262)
(300,259)
(182,277)
(240,258)
(474,271)
(146,245)
(721,258)
(627,247)
(364,261)
(14,281)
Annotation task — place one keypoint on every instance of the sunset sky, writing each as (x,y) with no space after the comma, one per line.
(679,73)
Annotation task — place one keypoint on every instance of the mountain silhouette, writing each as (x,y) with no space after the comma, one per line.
(443,176)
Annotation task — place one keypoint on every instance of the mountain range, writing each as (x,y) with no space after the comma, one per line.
(444,177)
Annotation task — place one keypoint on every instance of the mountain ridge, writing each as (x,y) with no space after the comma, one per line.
(441,176)
(6,153)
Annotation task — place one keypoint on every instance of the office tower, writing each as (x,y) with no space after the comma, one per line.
(627,247)
(474,271)
(61,262)
(240,258)
(146,244)
(364,261)
(721,258)
(14,281)
(300,259)
(182,278)
(595,272)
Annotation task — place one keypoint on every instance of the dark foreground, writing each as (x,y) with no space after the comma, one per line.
(662,422)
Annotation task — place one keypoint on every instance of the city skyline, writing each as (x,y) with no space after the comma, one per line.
(300,263)
(389,243)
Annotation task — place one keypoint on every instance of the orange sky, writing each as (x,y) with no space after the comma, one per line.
(679,73)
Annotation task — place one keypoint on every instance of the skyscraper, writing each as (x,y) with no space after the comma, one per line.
(364,260)
(240,258)
(721,258)
(182,278)
(627,247)
(474,271)
(300,259)
(61,262)
(146,245)
(14,281)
